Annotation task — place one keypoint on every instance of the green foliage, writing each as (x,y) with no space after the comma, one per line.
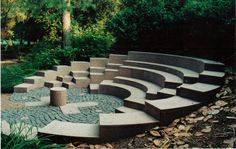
(17,140)
(160,24)
(12,75)
(92,42)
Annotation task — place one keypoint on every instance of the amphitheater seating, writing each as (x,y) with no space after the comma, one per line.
(156,89)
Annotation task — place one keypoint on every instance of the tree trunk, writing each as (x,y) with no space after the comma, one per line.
(66,21)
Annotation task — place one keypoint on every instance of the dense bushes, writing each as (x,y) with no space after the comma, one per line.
(176,26)
(12,75)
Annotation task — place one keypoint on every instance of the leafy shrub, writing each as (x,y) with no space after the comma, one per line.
(92,42)
(17,139)
(12,75)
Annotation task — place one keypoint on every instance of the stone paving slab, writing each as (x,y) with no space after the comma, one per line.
(71,129)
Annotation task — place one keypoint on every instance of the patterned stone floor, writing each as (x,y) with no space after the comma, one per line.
(40,116)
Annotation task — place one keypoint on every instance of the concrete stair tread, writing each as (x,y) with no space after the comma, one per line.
(114,70)
(96,73)
(93,67)
(81,78)
(24,85)
(34,77)
(115,64)
(186,72)
(168,77)
(208,61)
(213,73)
(201,87)
(53,81)
(151,87)
(172,103)
(94,86)
(134,92)
(168,91)
(80,130)
(124,109)
(126,119)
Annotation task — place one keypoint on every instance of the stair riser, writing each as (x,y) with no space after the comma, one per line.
(69,86)
(96,79)
(80,66)
(48,76)
(82,83)
(172,85)
(196,95)
(211,79)
(117,59)
(97,70)
(64,79)
(111,133)
(79,74)
(94,62)
(112,66)
(215,67)
(62,70)
(114,91)
(50,85)
(109,75)
(134,105)
(167,116)
(190,80)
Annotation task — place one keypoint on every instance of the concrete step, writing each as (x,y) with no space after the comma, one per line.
(48,75)
(93,88)
(111,73)
(79,65)
(79,73)
(98,62)
(82,82)
(187,75)
(212,65)
(133,97)
(69,85)
(65,78)
(37,80)
(121,123)
(117,58)
(62,69)
(212,77)
(24,87)
(198,91)
(166,110)
(96,78)
(165,93)
(113,66)
(53,83)
(163,79)
(97,69)
(124,109)
(61,130)
(151,89)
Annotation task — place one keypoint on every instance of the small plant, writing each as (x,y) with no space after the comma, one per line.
(21,137)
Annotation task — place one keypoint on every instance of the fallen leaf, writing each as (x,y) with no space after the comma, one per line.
(188,127)
(180,142)
(157,142)
(184,146)
(199,118)
(207,118)
(221,103)
(181,127)
(214,112)
(206,130)
(155,133)
(82,146)
(91,146)
(192,115)
(70,146)
(182,134)
(215,107)
(198,134)
(109,145)
(233,110)
(140,135)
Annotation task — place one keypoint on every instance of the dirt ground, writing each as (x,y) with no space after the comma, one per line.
(7,104)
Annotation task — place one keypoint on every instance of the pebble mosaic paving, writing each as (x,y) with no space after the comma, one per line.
(40,116)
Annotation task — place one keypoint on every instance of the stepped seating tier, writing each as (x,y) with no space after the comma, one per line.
(148,87)
(168,109)
(133,97)
(163,79)
(156,89)
(195,64)
(187,75)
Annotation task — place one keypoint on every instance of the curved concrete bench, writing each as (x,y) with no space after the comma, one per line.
(198,91)
(163,79)
(187,75)
(70,130)
(195,64)
(168,109)
(119,125)
(151,89)
(133,97)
